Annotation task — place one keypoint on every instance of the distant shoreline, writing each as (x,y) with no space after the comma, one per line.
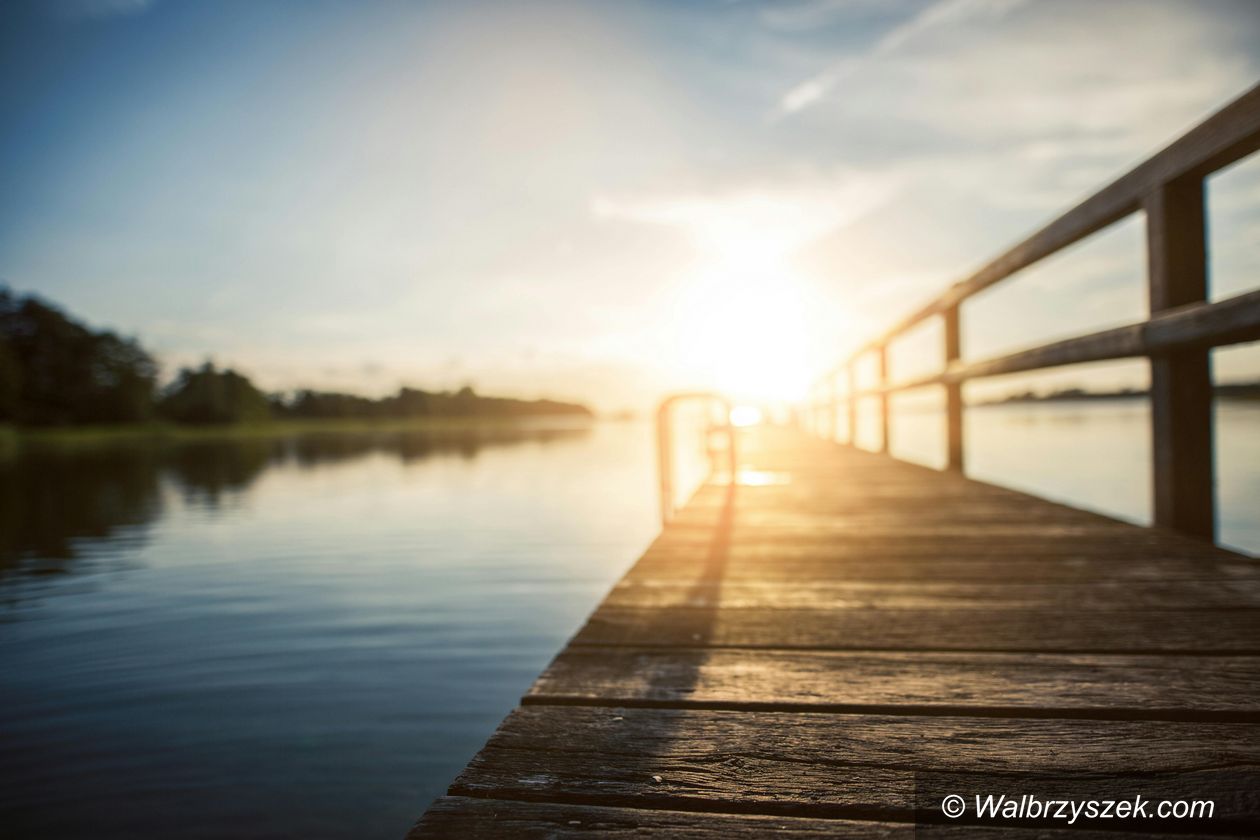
(1232,391)
(13,436)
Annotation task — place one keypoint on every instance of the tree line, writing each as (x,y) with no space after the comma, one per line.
(57,371)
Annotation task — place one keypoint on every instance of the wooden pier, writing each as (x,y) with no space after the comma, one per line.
(800,652)
(836,641)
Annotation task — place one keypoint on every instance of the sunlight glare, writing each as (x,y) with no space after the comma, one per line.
(744,321)
(745,415)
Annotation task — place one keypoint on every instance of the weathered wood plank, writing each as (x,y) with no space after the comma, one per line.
(1029,684)
(909,529)
(461,817)
(783,513)
(1099,631)
(885,531)
(713,592)
(950,743)
(853,766)
(930,564)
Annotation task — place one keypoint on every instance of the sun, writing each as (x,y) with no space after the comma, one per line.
(744,324)
(746,415)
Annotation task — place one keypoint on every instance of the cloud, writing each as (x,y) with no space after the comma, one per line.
(1038,112)
(97,9)
(782,216)
(811,14)
(940,15)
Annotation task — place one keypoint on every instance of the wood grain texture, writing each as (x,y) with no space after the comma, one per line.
(826,648)
(809,564)
(1028,684)
(948,743)
(1100,594)
(1005,629)
(840,766)
(458,817)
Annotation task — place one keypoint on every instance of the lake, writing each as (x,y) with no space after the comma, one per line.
(310,636)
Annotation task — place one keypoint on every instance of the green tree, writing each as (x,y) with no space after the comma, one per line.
(207,395)
(63,372)
(10,384)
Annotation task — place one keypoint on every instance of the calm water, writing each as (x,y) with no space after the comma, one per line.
(1095,455)
(308,638)
(292,639)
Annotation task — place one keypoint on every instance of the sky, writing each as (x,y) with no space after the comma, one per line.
(601,201)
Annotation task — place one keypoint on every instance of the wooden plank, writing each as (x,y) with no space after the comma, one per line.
(461,817)
(887,542)
(929,744)
(844,499)
(875,539)
(906,529)
(774,507)
(841,515)
(1098,686)
(809,564)
(895,526)
(853,766)
(796,488)
(758,510)
(1188,631)
(713,592)
(871,542)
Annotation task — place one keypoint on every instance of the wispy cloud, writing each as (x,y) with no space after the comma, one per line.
(97,9)
(810,14)
(940,15)
(781,216)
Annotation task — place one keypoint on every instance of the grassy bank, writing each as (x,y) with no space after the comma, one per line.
(13,438)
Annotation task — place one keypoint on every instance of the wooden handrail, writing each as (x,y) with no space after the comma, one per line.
(1230,321)
(1223,138)
(665,444)
(1168,188)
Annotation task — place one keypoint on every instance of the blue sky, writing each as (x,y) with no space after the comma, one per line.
(593,200)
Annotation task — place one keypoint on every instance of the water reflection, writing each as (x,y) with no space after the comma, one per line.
(290,636)
(54,499)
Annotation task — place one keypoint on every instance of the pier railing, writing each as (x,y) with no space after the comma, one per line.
(713,430)
(1177,337)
